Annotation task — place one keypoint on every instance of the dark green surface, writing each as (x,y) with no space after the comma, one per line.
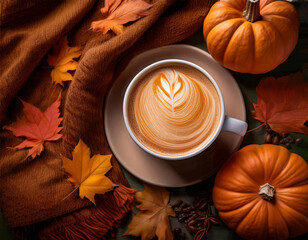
(5,232)
(247,82)
(298,61)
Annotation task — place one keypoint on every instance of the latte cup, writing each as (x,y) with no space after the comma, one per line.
(222,122)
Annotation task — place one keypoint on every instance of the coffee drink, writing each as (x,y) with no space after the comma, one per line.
(174,110)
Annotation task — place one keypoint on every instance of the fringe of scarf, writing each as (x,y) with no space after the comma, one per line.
(105,218)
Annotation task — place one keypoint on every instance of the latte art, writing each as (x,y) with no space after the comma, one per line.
(175,111)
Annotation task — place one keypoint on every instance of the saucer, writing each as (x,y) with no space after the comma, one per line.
(158,171)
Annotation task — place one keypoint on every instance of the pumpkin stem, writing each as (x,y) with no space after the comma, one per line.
(252,10)
(267,192)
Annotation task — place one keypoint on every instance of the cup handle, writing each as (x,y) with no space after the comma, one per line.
(235,125)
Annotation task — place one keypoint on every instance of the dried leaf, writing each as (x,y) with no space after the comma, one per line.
(152,219)
(37,127)
(88,174)
(62,59)
(118,12)
(283,103)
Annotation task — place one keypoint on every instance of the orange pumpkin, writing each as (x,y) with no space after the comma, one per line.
(262,193)
(251,37)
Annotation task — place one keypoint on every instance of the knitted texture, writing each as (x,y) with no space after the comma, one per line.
(32,191)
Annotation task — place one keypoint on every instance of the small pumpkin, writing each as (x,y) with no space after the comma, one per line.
(251,36)
(262,193)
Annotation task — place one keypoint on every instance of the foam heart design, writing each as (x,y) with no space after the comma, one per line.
(176,112)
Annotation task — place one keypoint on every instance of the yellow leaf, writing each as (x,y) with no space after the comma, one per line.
(62,59)
(152,219)
(88,174)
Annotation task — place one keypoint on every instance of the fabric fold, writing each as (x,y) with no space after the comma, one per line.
(28,30)
(100,221)
(31,190)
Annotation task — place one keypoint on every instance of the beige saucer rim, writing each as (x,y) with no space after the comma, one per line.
(175,52)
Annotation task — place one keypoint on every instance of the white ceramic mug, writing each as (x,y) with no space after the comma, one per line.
(226,123)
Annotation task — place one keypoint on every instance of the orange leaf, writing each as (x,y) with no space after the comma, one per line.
(152,219)
(62,60)
(37,127)
(88,174)
(118,12)
(283,103)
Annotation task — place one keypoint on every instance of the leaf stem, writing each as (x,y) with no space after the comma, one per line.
(256,128)
(76,187)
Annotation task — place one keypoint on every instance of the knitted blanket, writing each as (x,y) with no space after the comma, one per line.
(32,190)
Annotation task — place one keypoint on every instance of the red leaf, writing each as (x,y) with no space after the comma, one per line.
(283,103)
(37,127)
(118,12)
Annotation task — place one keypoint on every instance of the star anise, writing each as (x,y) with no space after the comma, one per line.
(208,219)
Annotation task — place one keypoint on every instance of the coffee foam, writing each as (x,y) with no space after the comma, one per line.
(174,110)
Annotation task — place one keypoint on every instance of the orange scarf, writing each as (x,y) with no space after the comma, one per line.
(31,191)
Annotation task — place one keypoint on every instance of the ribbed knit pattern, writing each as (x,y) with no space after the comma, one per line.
(31,191)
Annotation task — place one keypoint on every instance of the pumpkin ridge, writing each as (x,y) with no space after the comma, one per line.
(285,155)
(296,212)
(285,13)
(222,18)
(265,27)
(297,184)
(259,156)
(271,43)
(253,203)
(225,50)
(246,200)
(286,203)
(254,208)
(247,174)
(282,216)
(232,190)
(271,178)
(237,157)
(253,47)
(287,162)
(268,16)
(281,35)
(285,215)
(242,29)
(260,24)
(234,211)
(214,29)
(266,219)
(268,19)
(277,212)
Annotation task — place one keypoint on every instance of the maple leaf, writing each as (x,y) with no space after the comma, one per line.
(118,12)
(153,215)
(282,103)
(88,174)
(37,127)
(62,60)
